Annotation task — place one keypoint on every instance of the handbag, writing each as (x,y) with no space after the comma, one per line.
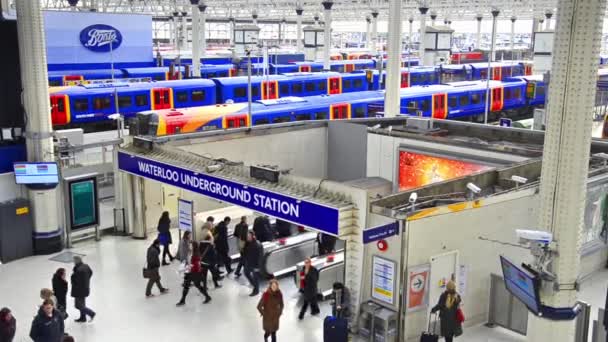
(145,273)
(458,330)
(459,316)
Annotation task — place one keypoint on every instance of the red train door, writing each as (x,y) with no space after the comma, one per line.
(59,110)
(270,90)
(304,68)
(236,121)
(161,98)
(527,69)
(440,106)
(334,85)
(497,99)
(404,81)
(340,111)
(231,72)
(349,67)
(497,73)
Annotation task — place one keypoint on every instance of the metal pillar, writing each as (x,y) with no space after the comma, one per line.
(495,14)
(541,21)
(374,41)
(392,99)
(299,12)
(423,11)
(39,141)
(478,42)
(548,15)
(327,34)
(203,26)
(196,49)
(254,16)
(410,37)
(232,24)
(513,19)
(563,185)
(433,18)
(184,32)
(138,214)
(491,58)
(368,29)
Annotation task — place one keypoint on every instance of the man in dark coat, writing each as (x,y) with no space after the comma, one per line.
(209,261)
(153,264)
(241,231)
(311,278)
(81,288)
(283,228)
(221,244)
(261,228)
(8,325)
(327,243)
(47,326)
(253,259)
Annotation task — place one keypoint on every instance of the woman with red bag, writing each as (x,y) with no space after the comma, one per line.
(450,313)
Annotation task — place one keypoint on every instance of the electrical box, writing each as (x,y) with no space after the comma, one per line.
(16,230)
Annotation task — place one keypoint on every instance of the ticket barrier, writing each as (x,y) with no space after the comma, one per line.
(331,270)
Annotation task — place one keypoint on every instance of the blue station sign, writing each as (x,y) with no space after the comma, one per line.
(380,233)
(309,214)
(100,38)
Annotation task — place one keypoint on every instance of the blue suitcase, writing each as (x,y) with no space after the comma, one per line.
(335,329)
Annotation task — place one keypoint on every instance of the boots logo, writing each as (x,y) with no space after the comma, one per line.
(100,38)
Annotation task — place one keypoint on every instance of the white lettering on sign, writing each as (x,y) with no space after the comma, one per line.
(239,195)
(99,37)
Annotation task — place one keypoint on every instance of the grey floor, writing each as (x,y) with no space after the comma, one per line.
(124,314)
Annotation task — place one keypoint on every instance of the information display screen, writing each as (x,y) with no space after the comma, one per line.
(521,284)
(36,173)
(83,203)
(416,170)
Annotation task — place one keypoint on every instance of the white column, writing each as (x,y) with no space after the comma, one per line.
(541,22)
(254,16)
(409,34)
(232,24)
(423,11)
(433,18)
(39,142)
(299,12)
(548,15)
(202,8)
(478,37)
(184,32)
(513,19)
(368,29)
(392,99)
(196,49)
(327,34)
(563,185)
(374,42)
(493,47)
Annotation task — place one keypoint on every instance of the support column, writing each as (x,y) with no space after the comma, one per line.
(513,19)
(39,142)
(410,37)
(232,24)
(299,12)
(327,34)
(254,16)
(203,21)
(423,11)
(368,30)
(184,31)
(138,215)
(495,14)
(566,153)
(541,25)
(478,41)
(548,15)
(392,99)
(374,42)
(196,49)
(433,18)
(176,30)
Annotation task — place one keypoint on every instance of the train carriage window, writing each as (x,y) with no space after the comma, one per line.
(425,105)
(55,83)
(261,122)
(125,101)
(452,101)
(81,105)
(540,91)
(198,95)
(359,112)
(475,98)
(156,97)
(60,105)
(346,84)
(358,83)
(463,100)
(240,92)
(279,119)
(302,117)
(517,93)
(284,89)
(508,94)
(100,103)
(320,116)
(255,91)
(141,100)
(432,78)
(415,79)
(181,96)
(309,86)
(297,88)
(412,107)
(322,85)
(158,77)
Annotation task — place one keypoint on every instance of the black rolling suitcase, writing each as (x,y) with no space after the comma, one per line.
(429,335)
(335,329)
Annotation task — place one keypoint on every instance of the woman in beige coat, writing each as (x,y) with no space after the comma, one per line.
(271,308)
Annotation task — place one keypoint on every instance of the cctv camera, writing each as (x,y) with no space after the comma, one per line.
(518,179)
(413,197)
(474,188)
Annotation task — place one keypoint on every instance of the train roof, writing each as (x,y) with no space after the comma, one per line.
(89,72)
(105,88)
(151,69)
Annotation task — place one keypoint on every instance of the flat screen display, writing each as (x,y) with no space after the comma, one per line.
(521,284)
(416,170)
(36,173)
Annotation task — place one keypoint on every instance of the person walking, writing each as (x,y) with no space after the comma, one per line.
(60,288)
(283,229)
(81,289)
(271,307)
(253,258)
(153,264)
(327,243)
(261,228)
(311,278)
(207,229)
(164,236)
(448,305)
(221,244)
(241,231)
(8,325)
(47,326)
(209,261)
(194,276)
(184,250)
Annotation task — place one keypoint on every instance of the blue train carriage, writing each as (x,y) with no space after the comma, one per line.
(156,73)
(415,76)
(498,70)
(87,104)
(218,70)
(536,88)
(454,72)
(75,77)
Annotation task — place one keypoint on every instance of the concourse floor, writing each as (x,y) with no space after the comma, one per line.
(124,314)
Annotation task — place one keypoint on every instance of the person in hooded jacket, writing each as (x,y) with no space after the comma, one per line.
(152,266)
(311,279)
(60,288)
(271,307)
(448,305)
(81,289)
(221,244)
(253,254)
(8,325)
(47,326)
(209,261)
(164,236)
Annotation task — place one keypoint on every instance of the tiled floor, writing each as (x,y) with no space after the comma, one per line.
(124,314)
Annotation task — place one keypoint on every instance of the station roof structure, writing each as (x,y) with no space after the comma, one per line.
(342,10)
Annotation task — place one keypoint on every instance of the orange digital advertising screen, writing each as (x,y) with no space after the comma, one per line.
(416,170)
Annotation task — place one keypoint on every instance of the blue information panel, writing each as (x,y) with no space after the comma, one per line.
(298,211)
(505,122)
(380,232)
